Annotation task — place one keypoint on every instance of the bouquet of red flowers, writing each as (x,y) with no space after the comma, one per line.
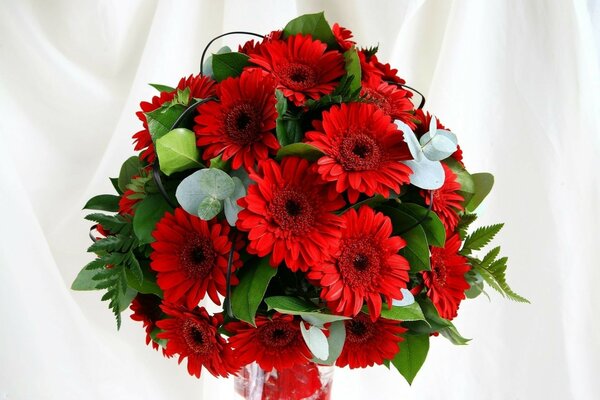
(297,183)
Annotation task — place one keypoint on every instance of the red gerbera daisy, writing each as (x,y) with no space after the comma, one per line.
(390,99)
(446,281)
(386,71)
(126,204)
(365,266)
(369,342)
(190,257)
(146,309)
(288,214)
(200,87)
(276,342)
(422,127)
(446,201)
(363,150)
(240,125)
(342,36)
(193,335)
(302,66)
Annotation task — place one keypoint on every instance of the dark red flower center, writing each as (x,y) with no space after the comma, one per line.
(197,337)
(359,262)
(292,210)
(149,307)
(242,124)
(277,334)
(438,269)
(297,76)
(198,257)
(360,329)
(359,152)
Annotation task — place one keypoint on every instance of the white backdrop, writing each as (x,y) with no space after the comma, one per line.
(518,81)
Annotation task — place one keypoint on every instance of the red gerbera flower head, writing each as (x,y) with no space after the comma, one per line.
(240,125)
(127,205)
(288,213)
(193,335)
(146,309)
(190,257)
(275,342)
(365,266)
(363,150)
(200,87)
(446,283)
(302,66)
(386,71)
(252,46)
(369,342)
(390,99)
(342,36)
(447,203)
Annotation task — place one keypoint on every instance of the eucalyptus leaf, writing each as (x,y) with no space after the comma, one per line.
(438,146)
(412,355)
(335,341)
(209,208)
(216,183)
(177,151)
(407,299)
(311,24)
(248,294)
(230,205)
(315,340)
(189,193)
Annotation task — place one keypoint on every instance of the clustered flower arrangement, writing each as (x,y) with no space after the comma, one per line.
(295,183)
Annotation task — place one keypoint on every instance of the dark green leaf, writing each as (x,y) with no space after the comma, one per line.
(480,237)
(303,150)
(451,333)
(295,306)
(416,250)
(85,279)
(465,221)
(161,120)
(114,243)
(148,212)
(412,355)
(112,223)
(462,176)
(483,185)
(162,88)
(433,226)
(130,168)
(281,124)
(228,65)
(248,294)
(311,24)
(147,285)
(115,183)
(154,336)
(103,202)
(353,68)
(431,315)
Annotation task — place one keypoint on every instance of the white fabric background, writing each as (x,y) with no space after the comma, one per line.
(518,81)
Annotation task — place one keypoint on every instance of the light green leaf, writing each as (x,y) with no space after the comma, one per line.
(483,182)
(161,120)
(177,151)
(311,24)
(130,168)
(228,65)
(411,312)
(412,355)
(147,214)
(248,294)
(303,150)
(103,202)
(209,208)
(353,69)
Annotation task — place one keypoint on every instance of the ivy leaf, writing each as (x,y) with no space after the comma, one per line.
(311,24)
(130,168)
(228,65)
(303,150)
(177,151)
(353,69)
(103,202)
(248,294)
(432,225)
(479,238)
(413,352)
(483,182)
(148,212)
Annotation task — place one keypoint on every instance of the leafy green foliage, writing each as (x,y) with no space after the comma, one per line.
(103,202)
(177,151)
(248,294)
(370,51)
(343,93)
(463,225)
(411,312)
(483,185)
(353,69)
(161,120)
(130,168)
(335,340)
(307,310)
(412,355)
(303,150)
(148,212)
(431,223)
(288,128)
(311,24)
(462,176)
(162,88)
(228,65)
(480,237)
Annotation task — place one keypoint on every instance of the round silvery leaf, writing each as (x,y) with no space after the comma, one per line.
(426,174)
(216,183)
(209,208)
(407,299)
(315,340)
(439,146)
(433,126)
(411,140)
(189,193)
(231,206)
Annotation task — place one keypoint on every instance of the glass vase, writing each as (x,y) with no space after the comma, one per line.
(306,382)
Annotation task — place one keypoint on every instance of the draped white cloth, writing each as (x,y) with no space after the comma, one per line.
(518,81)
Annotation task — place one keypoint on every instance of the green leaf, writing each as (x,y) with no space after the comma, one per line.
(303,150)
(209,208)
(162,88)
(483,185)
(336,339)
(130,168)
(296,306)
(104,202)
(281,125)
(451,333)
(475,282)
(177,151)
(85,279)
(154,336)
(112,223)
(433,226)
(411,312)
(493,273)
(463,225)
(216,183)
(115,183)
(462,176)
(148,212)
(413,352)
(114,243)
(228,65)
(248,294)
(161,120)
(416,250)
(480,237)
(353,69)
(147,285)
(311,24)
(432,316)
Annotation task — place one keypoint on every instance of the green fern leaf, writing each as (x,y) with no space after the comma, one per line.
(480,237)
(463,225)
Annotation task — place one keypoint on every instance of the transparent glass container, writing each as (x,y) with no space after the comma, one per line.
(306,382)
